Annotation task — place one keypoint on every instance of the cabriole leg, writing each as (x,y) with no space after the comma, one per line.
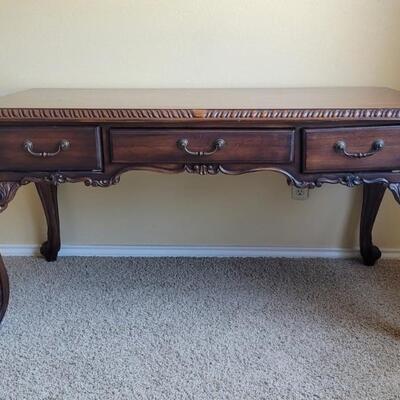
(7,193)
(48,197)
(373,195)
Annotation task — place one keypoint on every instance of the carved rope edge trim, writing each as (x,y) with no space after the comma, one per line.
(12,114)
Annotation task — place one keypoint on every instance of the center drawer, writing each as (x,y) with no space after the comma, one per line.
(201,145)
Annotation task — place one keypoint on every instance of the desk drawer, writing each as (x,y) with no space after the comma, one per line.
(205,145)
(352,149)
(50,148)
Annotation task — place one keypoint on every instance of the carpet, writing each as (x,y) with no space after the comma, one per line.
(197,328)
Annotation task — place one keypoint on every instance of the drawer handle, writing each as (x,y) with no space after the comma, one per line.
(341,147)
(64,145)
(217,145)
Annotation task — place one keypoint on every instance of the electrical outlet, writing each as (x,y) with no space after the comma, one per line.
(299,194)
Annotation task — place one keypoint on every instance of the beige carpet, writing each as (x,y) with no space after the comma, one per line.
(97,328)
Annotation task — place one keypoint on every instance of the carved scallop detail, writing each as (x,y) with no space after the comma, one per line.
(8,189)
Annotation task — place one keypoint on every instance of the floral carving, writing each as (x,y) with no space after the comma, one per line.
(202,169)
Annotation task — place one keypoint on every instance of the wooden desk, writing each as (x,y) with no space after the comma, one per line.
(349,136)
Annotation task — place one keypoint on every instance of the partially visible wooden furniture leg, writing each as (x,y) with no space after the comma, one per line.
(4,289)
(7,193)
(373,195)
(48,196)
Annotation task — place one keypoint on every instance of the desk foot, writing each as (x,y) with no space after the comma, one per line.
(371,256)
(4,289)
(48,196)
(48,252)
(373,195)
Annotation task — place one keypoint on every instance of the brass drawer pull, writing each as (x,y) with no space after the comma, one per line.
(217,145)
(64,145)
(341,147)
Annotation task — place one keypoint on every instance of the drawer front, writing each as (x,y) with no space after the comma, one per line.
(50,148)
(201,145)
(352,149)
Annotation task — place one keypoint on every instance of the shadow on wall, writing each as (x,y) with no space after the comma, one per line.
(353,213)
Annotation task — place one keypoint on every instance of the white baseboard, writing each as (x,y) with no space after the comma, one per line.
(192,251)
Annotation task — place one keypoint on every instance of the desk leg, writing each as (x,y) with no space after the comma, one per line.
(373,195)
(4,289)
(48,196)
(7,193)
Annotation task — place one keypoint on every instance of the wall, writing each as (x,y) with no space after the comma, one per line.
(193,43)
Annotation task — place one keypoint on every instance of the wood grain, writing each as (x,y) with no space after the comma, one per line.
(158,146)
(112,105)
(320,154)
(84,153)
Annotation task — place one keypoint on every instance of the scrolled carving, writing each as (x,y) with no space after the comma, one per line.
(102,182)
(346,180)
(202,169)
(58,178)
(349,180)
(54,179)
(7,193)
(395,189)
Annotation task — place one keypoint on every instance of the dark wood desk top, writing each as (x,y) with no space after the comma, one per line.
(133,104)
